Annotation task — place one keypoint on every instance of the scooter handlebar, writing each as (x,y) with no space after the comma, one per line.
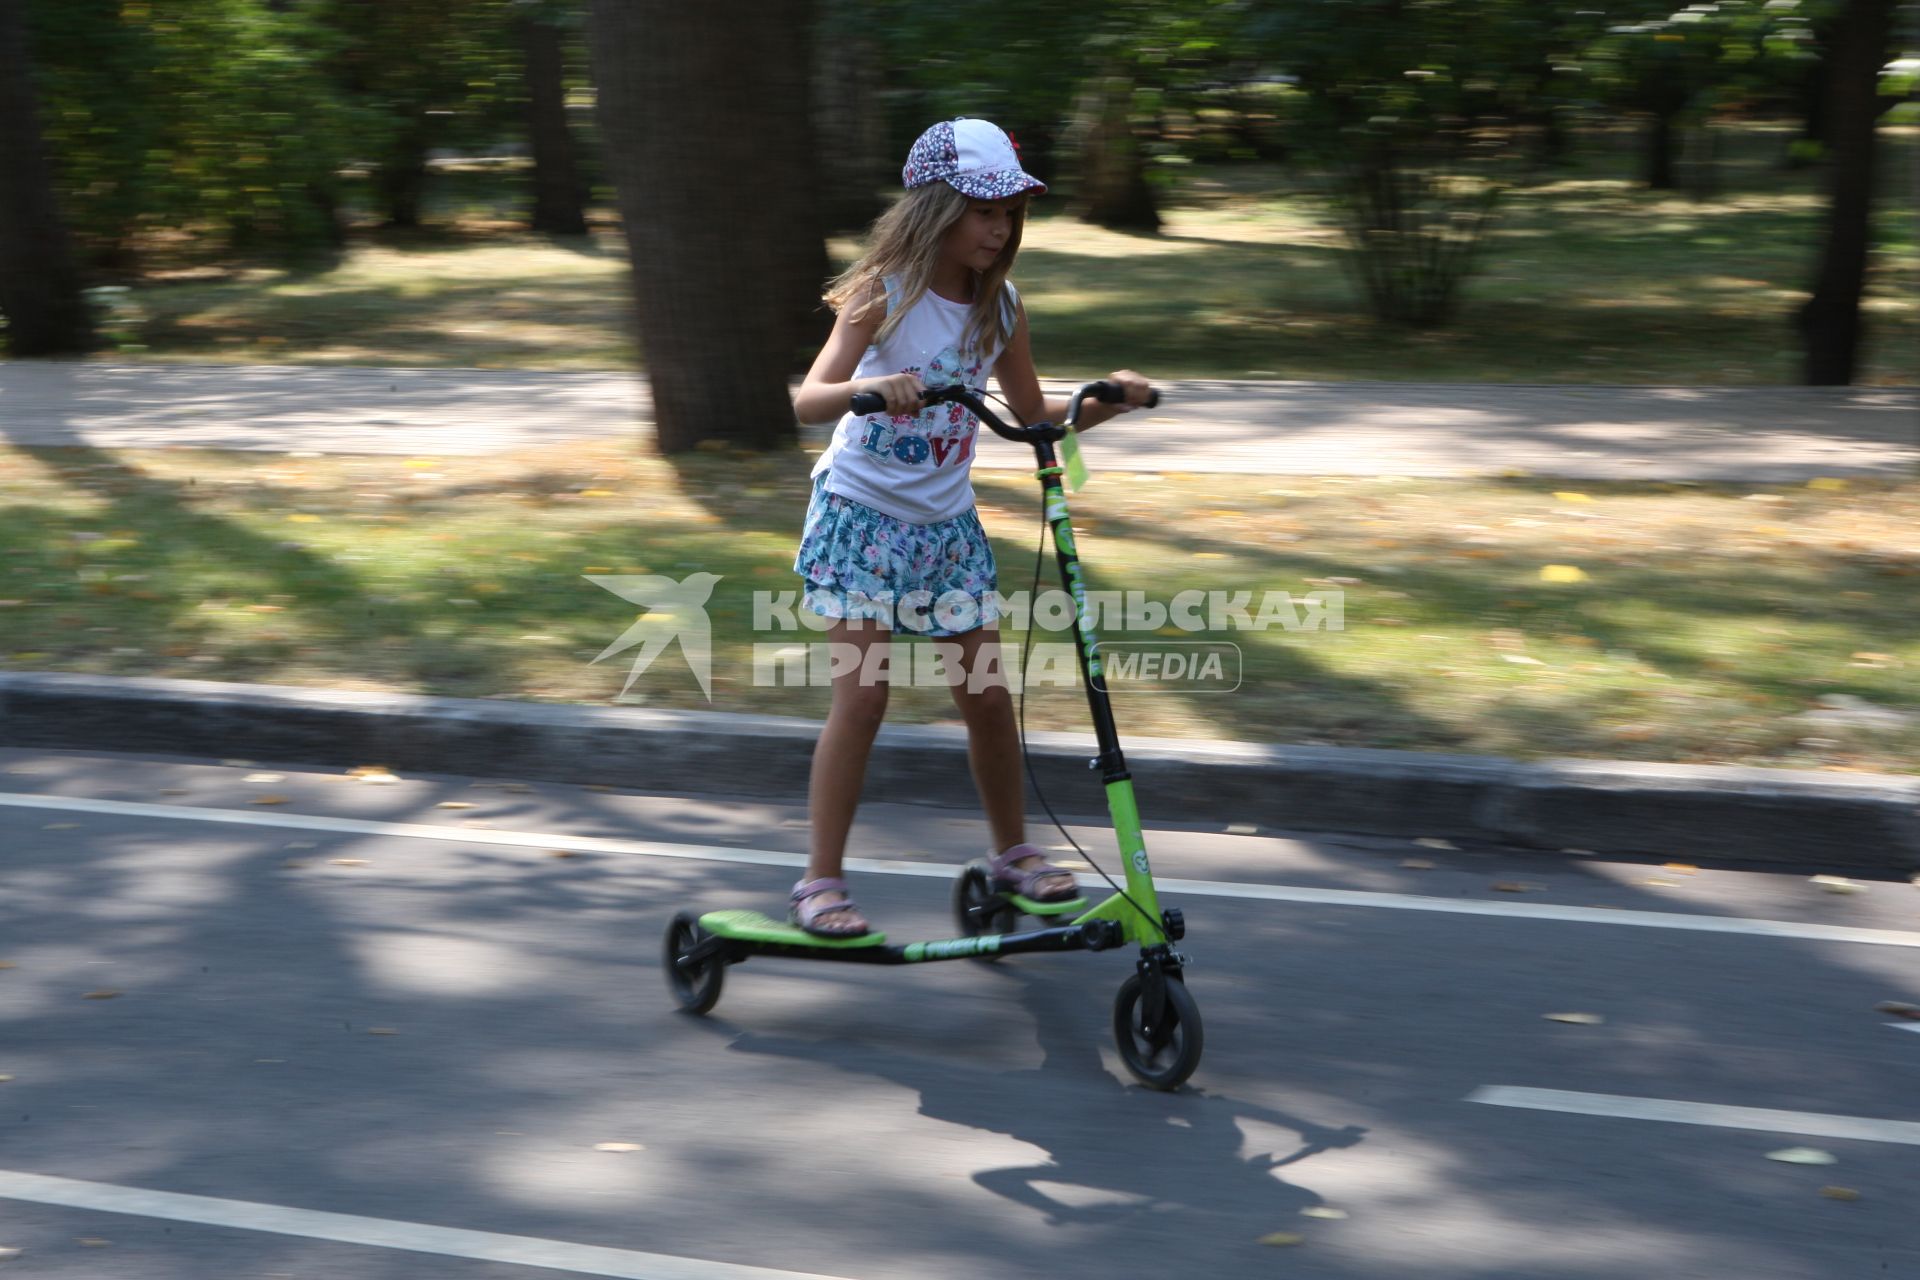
(864,402)
(1114,393)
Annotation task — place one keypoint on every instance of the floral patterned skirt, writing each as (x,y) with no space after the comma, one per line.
(925,579)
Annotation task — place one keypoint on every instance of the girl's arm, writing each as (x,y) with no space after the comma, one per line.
(830,383)
(1021,385)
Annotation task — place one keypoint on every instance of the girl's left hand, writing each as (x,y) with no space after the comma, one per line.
(1137,387)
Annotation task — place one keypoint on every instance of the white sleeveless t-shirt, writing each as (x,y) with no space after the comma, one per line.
(915,467)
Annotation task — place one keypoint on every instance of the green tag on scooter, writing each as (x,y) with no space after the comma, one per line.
(1075,464)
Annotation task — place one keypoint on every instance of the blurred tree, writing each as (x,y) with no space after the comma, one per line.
(191,114)
(1414,109)
(429,73)
(41,302)
(718,188)
(849,116)
(559,194)
(1858,44)
(1081,87)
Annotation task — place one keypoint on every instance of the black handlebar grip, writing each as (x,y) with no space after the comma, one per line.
(1114,393)
(867,402)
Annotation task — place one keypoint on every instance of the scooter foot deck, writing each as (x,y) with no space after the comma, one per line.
(751,926)
(1032,908)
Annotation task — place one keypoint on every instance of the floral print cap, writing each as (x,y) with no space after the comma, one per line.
(974,157)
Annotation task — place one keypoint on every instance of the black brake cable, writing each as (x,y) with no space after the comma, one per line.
(1026,648)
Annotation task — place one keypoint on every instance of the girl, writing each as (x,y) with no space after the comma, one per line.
(892,512)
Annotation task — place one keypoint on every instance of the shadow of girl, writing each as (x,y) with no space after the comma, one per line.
(1117,1151)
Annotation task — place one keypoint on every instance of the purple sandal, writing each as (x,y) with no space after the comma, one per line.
(806,911)
(1011,879)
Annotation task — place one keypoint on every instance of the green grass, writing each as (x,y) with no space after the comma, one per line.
(1587,278)
(1708,617)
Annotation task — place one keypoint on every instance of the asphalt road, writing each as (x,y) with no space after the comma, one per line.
(379,1038)
(1752,434)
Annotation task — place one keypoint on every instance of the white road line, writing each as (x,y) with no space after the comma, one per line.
(381,1233)
(876,866)
(1809,1123)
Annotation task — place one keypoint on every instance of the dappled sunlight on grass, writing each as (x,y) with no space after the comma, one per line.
(1703,620)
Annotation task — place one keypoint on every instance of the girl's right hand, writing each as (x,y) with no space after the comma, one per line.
(902,392)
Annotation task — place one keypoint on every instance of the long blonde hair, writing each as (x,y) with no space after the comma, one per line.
(905,243)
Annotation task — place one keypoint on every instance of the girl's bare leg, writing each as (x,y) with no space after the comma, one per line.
(840,757)
(993,743)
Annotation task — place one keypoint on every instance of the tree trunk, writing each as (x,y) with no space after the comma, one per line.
(1660,151)
(704,112)
(1830,325)
(401,179)
(1113,190)
(854,167)
(558,194)
(40,293)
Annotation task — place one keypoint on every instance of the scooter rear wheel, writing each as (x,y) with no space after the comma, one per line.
(977,907)
(1161,1052)
(695,986)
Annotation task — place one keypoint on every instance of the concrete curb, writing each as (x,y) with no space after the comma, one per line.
(1608,807)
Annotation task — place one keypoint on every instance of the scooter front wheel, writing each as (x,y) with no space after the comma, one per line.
(695,984)
(1160,1046)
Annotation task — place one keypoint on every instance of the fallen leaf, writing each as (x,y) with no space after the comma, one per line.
(1573,497)
(1828,484)
(265,777)
(268,800)
(1838,884)
(1662,884)
(1840,1193)
(1280,1239)
(618,1146)
(454,804)
(8,964)
(1435,842)
(1417,864)
(173,791)
(1578,1019)
(1516,886)
(101,995)
(60,826)
(1562,573)
(1322,1211)
(562,853)
(348,862)
(4,1079)
(92,1242)
(1898,1009)
(1242,829)
(1802,1155)
(1684,868)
